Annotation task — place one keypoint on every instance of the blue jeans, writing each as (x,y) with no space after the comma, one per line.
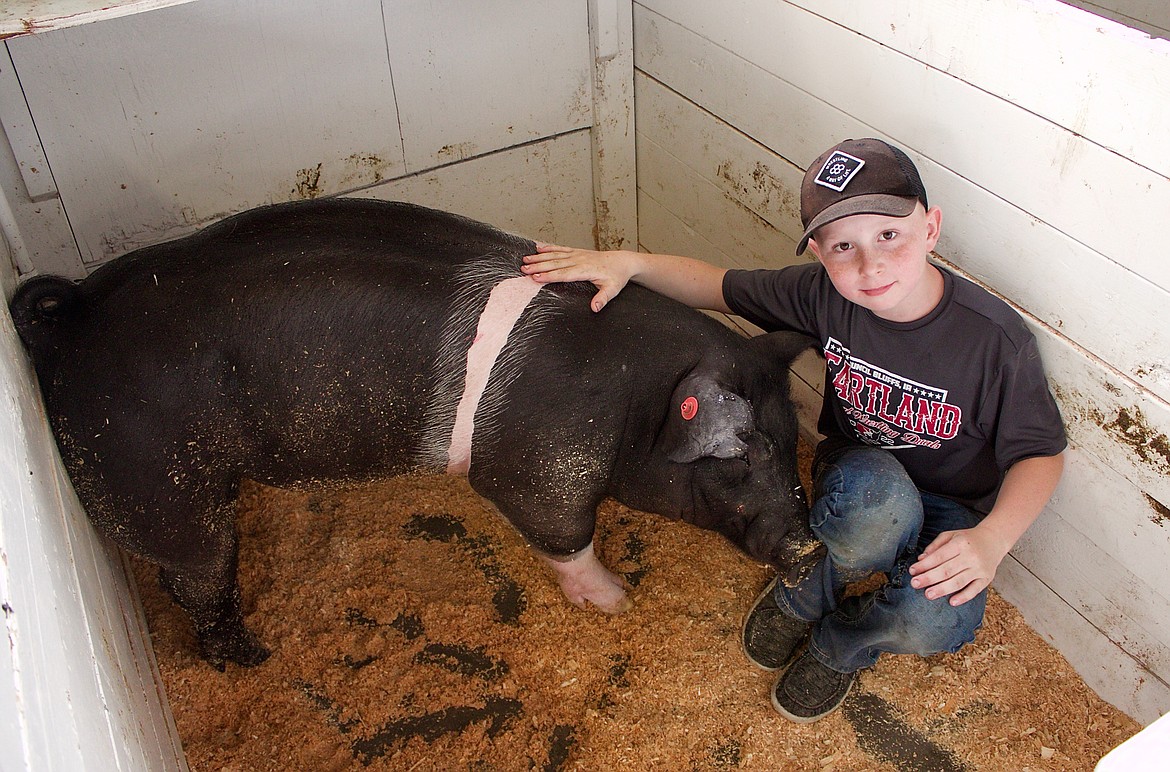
(872,518)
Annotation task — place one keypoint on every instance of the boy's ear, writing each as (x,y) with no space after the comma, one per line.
(816,248)
(933,226)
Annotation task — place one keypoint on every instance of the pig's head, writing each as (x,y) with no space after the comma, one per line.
(732,422)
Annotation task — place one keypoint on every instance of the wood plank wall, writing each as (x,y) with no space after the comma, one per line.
(125,133)
(1040,131)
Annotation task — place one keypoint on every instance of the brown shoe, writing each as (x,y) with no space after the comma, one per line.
(770,637)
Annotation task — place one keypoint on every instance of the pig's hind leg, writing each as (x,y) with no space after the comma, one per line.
(185,523)
(205,585)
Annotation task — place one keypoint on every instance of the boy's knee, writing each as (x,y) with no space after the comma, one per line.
(868,511)
(863,468)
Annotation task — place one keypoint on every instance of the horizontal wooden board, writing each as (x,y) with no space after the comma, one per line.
(733,162)
(471,78)
(745,95)
(743,239)
(1151,17)
(1060,178)
(1035,266)
(1152,12)
(541,190)
(1122,520)
(1155,12)
(27,17)
(215,107)
(1125,427)
(1104,82)
(1125,606)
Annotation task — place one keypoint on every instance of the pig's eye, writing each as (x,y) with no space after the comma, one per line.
(734,470)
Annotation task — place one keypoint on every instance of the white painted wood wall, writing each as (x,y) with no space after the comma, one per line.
(136,122)
(144,127)
(1041,131)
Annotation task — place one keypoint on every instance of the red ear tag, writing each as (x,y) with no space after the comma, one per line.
(690,406)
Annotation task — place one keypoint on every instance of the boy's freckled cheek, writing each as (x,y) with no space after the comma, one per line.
(840,279)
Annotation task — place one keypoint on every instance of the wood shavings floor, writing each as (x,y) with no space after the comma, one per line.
(412,629)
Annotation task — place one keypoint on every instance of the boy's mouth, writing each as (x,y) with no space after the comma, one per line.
(876,291)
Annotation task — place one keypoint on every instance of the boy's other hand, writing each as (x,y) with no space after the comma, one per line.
(608,271)
(960,564)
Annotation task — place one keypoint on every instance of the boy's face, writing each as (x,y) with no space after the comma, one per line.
(879,262)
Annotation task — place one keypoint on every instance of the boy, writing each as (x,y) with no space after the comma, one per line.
(942,441)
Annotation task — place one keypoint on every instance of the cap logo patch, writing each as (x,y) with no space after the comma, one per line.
(839,170)
(689,408)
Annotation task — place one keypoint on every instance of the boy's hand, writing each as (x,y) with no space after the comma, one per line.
(963,563)
(609,271)
(958,563)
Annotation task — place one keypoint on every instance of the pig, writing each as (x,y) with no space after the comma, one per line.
(334,342)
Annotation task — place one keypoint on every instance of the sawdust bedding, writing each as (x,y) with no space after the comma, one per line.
(412,629)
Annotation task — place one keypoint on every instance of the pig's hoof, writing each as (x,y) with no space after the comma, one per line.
(243,649)
(623,605)
(608,597)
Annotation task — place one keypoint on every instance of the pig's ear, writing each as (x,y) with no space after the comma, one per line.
(778,348)
(705,420)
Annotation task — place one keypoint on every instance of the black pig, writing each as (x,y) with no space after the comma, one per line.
(339,341)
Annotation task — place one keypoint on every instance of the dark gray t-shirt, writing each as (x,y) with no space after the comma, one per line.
(957,396)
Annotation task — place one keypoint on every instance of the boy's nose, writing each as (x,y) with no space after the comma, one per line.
(871,263)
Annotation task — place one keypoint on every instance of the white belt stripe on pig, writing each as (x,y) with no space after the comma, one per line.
(507,301)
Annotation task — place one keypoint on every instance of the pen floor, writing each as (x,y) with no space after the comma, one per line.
(411,628)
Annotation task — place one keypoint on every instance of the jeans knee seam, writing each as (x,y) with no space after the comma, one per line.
(786,607)
(820,656)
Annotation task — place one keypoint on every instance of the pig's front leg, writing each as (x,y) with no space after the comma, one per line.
(583,578)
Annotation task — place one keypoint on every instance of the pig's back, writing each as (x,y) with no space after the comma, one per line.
(293,339)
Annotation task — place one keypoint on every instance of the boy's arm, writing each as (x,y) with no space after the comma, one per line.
(962,563)
(693,282)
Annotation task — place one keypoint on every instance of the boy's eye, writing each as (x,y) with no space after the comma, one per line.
(888,236)
(843,246)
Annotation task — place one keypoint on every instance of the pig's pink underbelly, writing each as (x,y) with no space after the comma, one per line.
(507,301)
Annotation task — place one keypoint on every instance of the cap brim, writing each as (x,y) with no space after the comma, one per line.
(872,203)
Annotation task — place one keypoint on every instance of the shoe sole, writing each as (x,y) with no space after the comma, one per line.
(743,632)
